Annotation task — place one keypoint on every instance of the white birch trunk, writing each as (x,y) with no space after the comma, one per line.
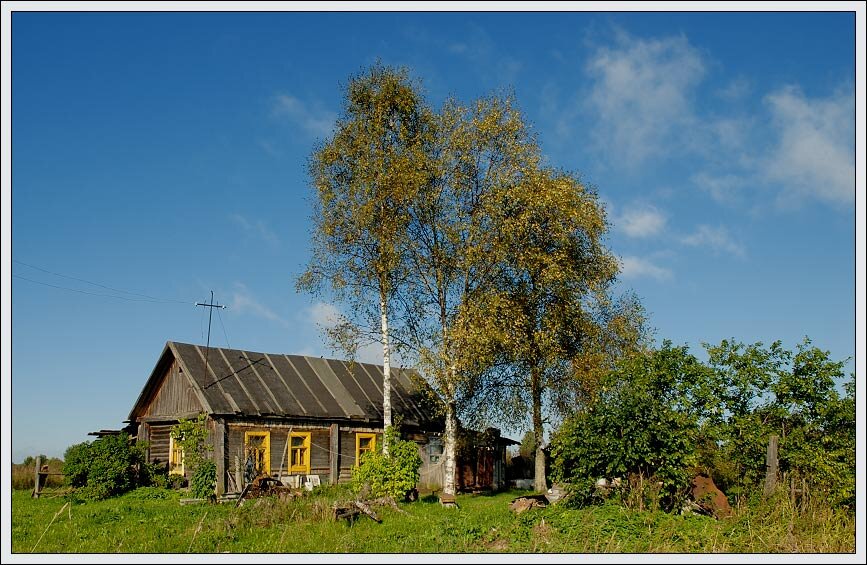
(386,372)
(449,449)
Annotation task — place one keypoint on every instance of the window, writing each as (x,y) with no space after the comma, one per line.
(434,449)
(257,452)
(176,458)
(299,452)
(364,443)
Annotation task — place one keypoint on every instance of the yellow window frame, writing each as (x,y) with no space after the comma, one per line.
(359,450)
(175,452)
(299,463)
(265,445)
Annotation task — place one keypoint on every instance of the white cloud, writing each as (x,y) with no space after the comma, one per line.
(717,238)
(316,122)
(243,302)
(643,221)
(641,95)
(258,228)
(815,153)
(324,314)
(725,188)
(636,267)
(736,89)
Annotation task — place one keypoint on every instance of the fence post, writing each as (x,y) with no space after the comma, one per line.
(771,465)
(37,478)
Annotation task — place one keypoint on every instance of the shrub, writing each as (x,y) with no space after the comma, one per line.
(394,474)
(204,480)
(192,436)
(105,467)
(633,429)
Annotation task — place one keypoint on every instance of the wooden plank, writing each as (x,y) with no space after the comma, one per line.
(220,453)
(333,456)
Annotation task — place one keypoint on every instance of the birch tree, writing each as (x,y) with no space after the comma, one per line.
(364,178)
(547,322)
(481,150)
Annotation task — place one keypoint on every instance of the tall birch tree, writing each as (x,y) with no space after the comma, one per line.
(480,151)
(364,178)
(547,322)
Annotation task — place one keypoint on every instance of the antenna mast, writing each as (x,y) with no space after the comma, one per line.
(211,307)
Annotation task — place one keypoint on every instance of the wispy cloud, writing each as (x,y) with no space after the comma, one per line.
(814,155)
(641,95)
(243,302)
(258,228)
(736,89)
(324,314)
(310,118)
(637,267)
(716,238)
(641,221)
(725,188)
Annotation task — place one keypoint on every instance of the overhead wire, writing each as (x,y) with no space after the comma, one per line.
(220,317)
(156,301)
(142,297)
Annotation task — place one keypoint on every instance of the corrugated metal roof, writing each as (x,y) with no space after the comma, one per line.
(273,384)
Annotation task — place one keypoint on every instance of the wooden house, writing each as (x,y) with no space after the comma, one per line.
(286,415)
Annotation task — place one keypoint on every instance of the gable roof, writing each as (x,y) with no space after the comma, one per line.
(249,383)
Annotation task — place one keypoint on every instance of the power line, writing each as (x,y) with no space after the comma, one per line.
(151,301)
(145,296)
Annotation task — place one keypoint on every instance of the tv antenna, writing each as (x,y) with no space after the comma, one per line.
(210,307)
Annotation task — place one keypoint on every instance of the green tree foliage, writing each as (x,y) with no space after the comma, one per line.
(665,415)
(106,467)
(393,474)
(364,178)
(791,394)
(547,320)
(480,151)
(642,424)
(192,436)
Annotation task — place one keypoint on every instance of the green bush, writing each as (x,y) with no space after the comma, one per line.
(105,467)
(76,462)
(634,430)
(394,474)
(204,480)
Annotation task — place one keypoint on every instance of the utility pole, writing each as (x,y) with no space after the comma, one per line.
(211,307)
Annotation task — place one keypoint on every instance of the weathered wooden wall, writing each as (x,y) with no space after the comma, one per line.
(175,395)
(159,442)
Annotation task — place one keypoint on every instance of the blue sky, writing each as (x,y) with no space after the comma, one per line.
(165,155)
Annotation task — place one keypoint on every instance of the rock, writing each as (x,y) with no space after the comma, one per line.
(524,503)
(709,497)
(555,493)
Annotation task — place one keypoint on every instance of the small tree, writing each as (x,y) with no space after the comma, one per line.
(393,474)
(192,436)
(641,425)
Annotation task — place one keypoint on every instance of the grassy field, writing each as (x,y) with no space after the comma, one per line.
(141,523)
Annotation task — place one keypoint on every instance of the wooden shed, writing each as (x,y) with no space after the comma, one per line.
(285,415)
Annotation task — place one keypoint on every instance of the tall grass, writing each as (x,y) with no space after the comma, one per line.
(24,476)
(152,520)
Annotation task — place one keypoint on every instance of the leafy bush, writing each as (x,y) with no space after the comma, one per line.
(392,475)
(192,437)
(634,429)
(76,462)
(204,480)
(105,467)
(663,416)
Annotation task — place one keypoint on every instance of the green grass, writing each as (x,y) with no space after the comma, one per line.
(140,523)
